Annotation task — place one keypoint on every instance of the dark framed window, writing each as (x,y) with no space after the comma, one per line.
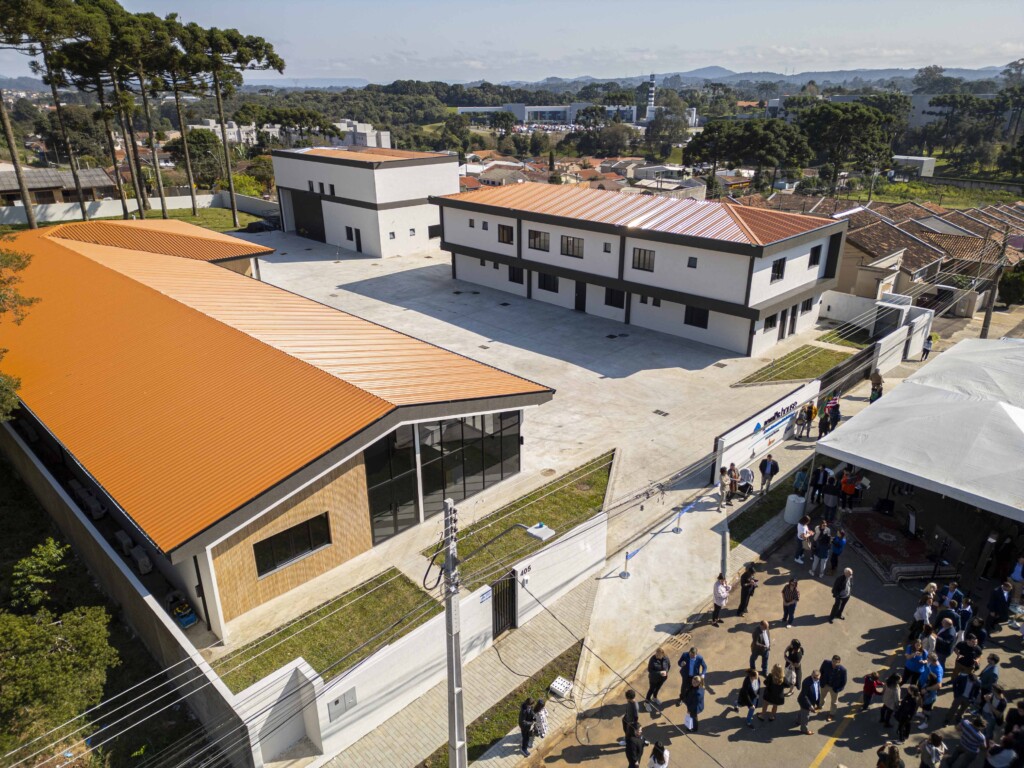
(321,188)
(807,305)
(311,189)
(696,316)
(643,299)
(348,233)
(607,247)
(771,322)
(655,302)
(572,246)
(505,234)
(332,190)
(547,282)
(483,225)
(515,275)
(815,259)
(691,262)
(391,235)
(538,241)
(494,264)
(390,465)
(483,262)
(778,269)
(472,223)
(412,233)
(643,259)
(614,298)
(288,546)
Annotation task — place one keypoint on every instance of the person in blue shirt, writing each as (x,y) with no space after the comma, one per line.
(833,681)
(838,545)
(914,660)
(929,683)
(691,664)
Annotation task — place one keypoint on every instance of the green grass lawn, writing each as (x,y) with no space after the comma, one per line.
(858,339)
(561,505)
(806,362)
(948,196)
(217,219)
(27,524)
(762,510)
(492,726)
(335,630)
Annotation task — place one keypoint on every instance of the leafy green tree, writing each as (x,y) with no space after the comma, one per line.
(14,304)
(80,129)
(933,80)
(32,576)
(539,143)
(502,122)
(895,110)
(52,668)
(664,130)
(771,144)
(244,185)
(844,135)
(719,143)
(206,152)
(262,169)
(1011,287)
(615,139)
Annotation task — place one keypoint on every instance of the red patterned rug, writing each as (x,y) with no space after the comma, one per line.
(884,538)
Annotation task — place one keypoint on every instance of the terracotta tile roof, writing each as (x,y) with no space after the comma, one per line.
(917,229)
(883,239)
(795,203)
(143,365)
(833,205)
(1012,212)
(588,174)
(933,207)
(971,224)
(859,218)
(909,211)
(177,238)
(965,247)
(468,183)
(694,218)
(751,201)
(995,220)
(369,155)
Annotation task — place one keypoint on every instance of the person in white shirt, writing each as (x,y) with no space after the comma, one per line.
(720,594)
(659,756)
(803,532)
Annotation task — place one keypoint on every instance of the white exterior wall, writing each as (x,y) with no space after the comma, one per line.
(595,261)
(418,218)
(415,182)
(765,339)
(337,216)
(468,268)
(355,183)
(566,296)
(797,274)
(458,231)
(717,275)
(726,331)
(596,305)
(845,308)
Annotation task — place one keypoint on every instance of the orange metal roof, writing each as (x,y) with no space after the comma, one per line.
(187,390)
(369,154)
(695,218)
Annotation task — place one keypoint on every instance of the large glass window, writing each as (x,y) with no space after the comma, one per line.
(572,246)
(539,241)
(643,259)
(289,545)
(391,484)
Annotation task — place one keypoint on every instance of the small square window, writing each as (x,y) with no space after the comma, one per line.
(311,188)
(691,262)
(771,322)
(778,269)
(391,235)
(607,247)
(472,223)
(515,275)
(332,190)
(321,187)
(696,316)
(815,259)
(483,226)
(655,302)
(348,233)
(614,298)
(412,233)
(643,299)
(494,264)
(483,262)
(546,282)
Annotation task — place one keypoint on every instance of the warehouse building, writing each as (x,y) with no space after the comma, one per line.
(364,199)
(238,439)
(730,276)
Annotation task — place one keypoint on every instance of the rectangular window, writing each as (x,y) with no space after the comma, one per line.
(643,259)
(311,189)
(391,235)
(538,241)
(321,187)
(643,299)
(691,262)
(483,262)
(614,298)
(472,223)
(778,269)
(332,190)
(607,247)
(655,302)
(483,225)
(390,465)
(572,246)
(515,275)
(771,322)
(696,316)
(547,282)
(412,233)
(289,545)
(815,259)
(494,264)
(505,234)
(806,306)
(348,233)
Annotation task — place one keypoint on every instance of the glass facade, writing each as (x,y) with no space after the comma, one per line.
(458,458)
(286,547)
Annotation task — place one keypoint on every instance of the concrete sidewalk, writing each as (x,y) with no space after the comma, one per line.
(417,731)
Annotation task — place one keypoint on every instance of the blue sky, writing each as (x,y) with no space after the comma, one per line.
(383,40)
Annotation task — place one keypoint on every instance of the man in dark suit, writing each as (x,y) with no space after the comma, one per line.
(949,593)
(833,681)
(769,469)
(690,665)
(841,591)
(748,583)
(999,605)
(809,700)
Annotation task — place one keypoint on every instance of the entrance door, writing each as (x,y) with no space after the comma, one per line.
(783,317)
(581,296)
(792,319)
(503,603)
(359,241)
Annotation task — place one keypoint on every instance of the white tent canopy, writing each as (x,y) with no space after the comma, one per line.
(955,427)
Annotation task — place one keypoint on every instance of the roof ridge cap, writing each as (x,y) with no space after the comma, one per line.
(734,212)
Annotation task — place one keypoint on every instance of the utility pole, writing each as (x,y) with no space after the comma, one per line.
(457,756)
(991,301)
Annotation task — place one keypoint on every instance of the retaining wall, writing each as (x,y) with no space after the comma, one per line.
(15,214)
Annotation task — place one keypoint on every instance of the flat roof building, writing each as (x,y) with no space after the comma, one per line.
(731,276)
(234,430)
(366,199)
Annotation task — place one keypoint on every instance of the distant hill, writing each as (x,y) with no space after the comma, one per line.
(22,84)
(307,82)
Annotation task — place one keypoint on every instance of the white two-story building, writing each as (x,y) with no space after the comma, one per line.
(730,276)
(366,199)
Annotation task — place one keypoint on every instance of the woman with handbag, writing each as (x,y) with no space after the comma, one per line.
(774,693)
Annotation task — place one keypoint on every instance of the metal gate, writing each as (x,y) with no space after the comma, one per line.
(503,603)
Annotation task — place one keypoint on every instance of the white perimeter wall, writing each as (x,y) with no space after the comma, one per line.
(401,672)
(846,308)
(920,326)
(743,445)
(15,214)
(890,349)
